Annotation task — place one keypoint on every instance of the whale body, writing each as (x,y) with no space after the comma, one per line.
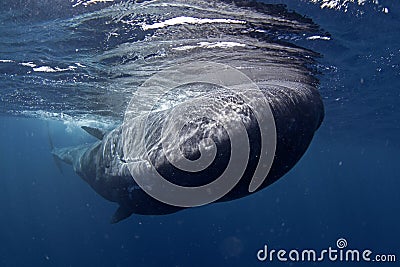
(298,114)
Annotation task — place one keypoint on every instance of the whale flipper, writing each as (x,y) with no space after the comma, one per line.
(96,132)
(121,213)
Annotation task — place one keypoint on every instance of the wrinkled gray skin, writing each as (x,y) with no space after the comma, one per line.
(298,113)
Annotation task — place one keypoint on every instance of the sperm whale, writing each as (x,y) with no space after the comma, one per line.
(239,34)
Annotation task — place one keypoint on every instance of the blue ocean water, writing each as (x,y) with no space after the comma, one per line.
(63,66)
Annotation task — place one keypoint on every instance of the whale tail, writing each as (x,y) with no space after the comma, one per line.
(69,155)
(62,155)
